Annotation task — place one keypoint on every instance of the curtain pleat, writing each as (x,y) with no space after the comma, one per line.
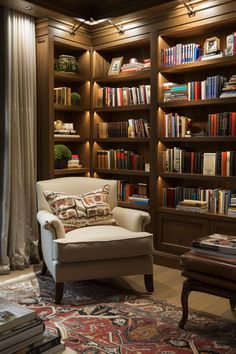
(19,222)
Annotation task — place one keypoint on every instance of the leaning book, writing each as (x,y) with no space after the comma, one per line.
(217,242)
(13,315)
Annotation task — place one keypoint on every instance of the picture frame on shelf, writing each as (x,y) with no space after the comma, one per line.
(115,66)
(212,45)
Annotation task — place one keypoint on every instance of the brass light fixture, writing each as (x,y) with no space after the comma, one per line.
(91,21)
(189,7)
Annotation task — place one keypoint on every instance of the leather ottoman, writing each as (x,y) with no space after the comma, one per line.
(206,275)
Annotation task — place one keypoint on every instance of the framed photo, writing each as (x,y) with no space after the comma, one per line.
(115,66)
(212,45)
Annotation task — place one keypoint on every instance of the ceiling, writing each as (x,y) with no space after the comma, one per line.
(97,9)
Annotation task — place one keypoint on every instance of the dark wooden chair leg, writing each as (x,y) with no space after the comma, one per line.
(148,280)
(59,292)
(184,300)
(44,269)
(232,304)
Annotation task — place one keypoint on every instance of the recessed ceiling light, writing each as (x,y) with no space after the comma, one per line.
(29,8)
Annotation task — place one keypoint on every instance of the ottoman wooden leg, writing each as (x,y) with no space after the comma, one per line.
(232,304)
(184,300)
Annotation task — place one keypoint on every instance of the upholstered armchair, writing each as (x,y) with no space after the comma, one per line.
(106,241)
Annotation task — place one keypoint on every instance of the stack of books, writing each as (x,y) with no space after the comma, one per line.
(22,331)
(232,205)
(217,246)
(138,199)
(229,89)
(198,206)
(175,92)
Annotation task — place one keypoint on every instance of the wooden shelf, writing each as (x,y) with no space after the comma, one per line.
(123,140)
(123,172)
(197,176)
(199,65)
(70,138)
(70,171)
(122,77)
(199,139)
(209,102)
(133,206)
(220,217)
(62,107)
(139,107)
(69,77)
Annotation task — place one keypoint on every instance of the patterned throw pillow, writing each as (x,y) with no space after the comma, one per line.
(82,210)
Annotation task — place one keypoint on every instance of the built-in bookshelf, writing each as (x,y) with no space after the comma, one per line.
(196,139)
(64,100)
(113,117)
(121,117)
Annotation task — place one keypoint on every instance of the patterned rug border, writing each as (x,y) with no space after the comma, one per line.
(150,296)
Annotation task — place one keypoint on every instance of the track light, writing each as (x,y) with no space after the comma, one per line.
(191,12)
(91,21)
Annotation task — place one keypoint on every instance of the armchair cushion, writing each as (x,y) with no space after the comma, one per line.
(101,242)
(76,211)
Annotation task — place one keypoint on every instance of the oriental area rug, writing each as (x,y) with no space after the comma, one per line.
(95,318)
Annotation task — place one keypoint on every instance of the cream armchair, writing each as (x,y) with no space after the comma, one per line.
(92,252)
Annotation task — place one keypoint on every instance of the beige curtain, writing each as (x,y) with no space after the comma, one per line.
(19,230)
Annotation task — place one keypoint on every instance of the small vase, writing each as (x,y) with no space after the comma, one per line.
(66,63)
(62,163)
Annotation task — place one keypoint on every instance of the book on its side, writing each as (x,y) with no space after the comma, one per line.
(207,252)
(45,344)
(217,242)
(27,332)
(218,257)
(13,315)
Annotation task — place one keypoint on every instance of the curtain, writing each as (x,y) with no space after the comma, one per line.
(19,237)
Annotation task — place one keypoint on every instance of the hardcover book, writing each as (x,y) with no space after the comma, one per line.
(217,242)
(13,315)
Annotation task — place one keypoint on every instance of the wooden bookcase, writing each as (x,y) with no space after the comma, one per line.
(173,230)
(49,47)
(177,229)
(102,57)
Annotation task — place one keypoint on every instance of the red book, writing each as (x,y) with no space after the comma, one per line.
(223,163)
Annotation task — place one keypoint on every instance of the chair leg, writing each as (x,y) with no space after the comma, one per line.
(184,300)
(148,280)
(44,269)
(59,292)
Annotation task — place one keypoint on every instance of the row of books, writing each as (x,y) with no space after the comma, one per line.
(175,125)
(126,189)
(180,54)
(123,96)
(191,52)
(132,128)
(220,163)
(217,246)
(216,200)
(62,95)
(120,159)
(218,124)
(23,331)
(222,124)
(209,88)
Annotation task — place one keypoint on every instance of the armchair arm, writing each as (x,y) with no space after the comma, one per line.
(131,219)
(51,223)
